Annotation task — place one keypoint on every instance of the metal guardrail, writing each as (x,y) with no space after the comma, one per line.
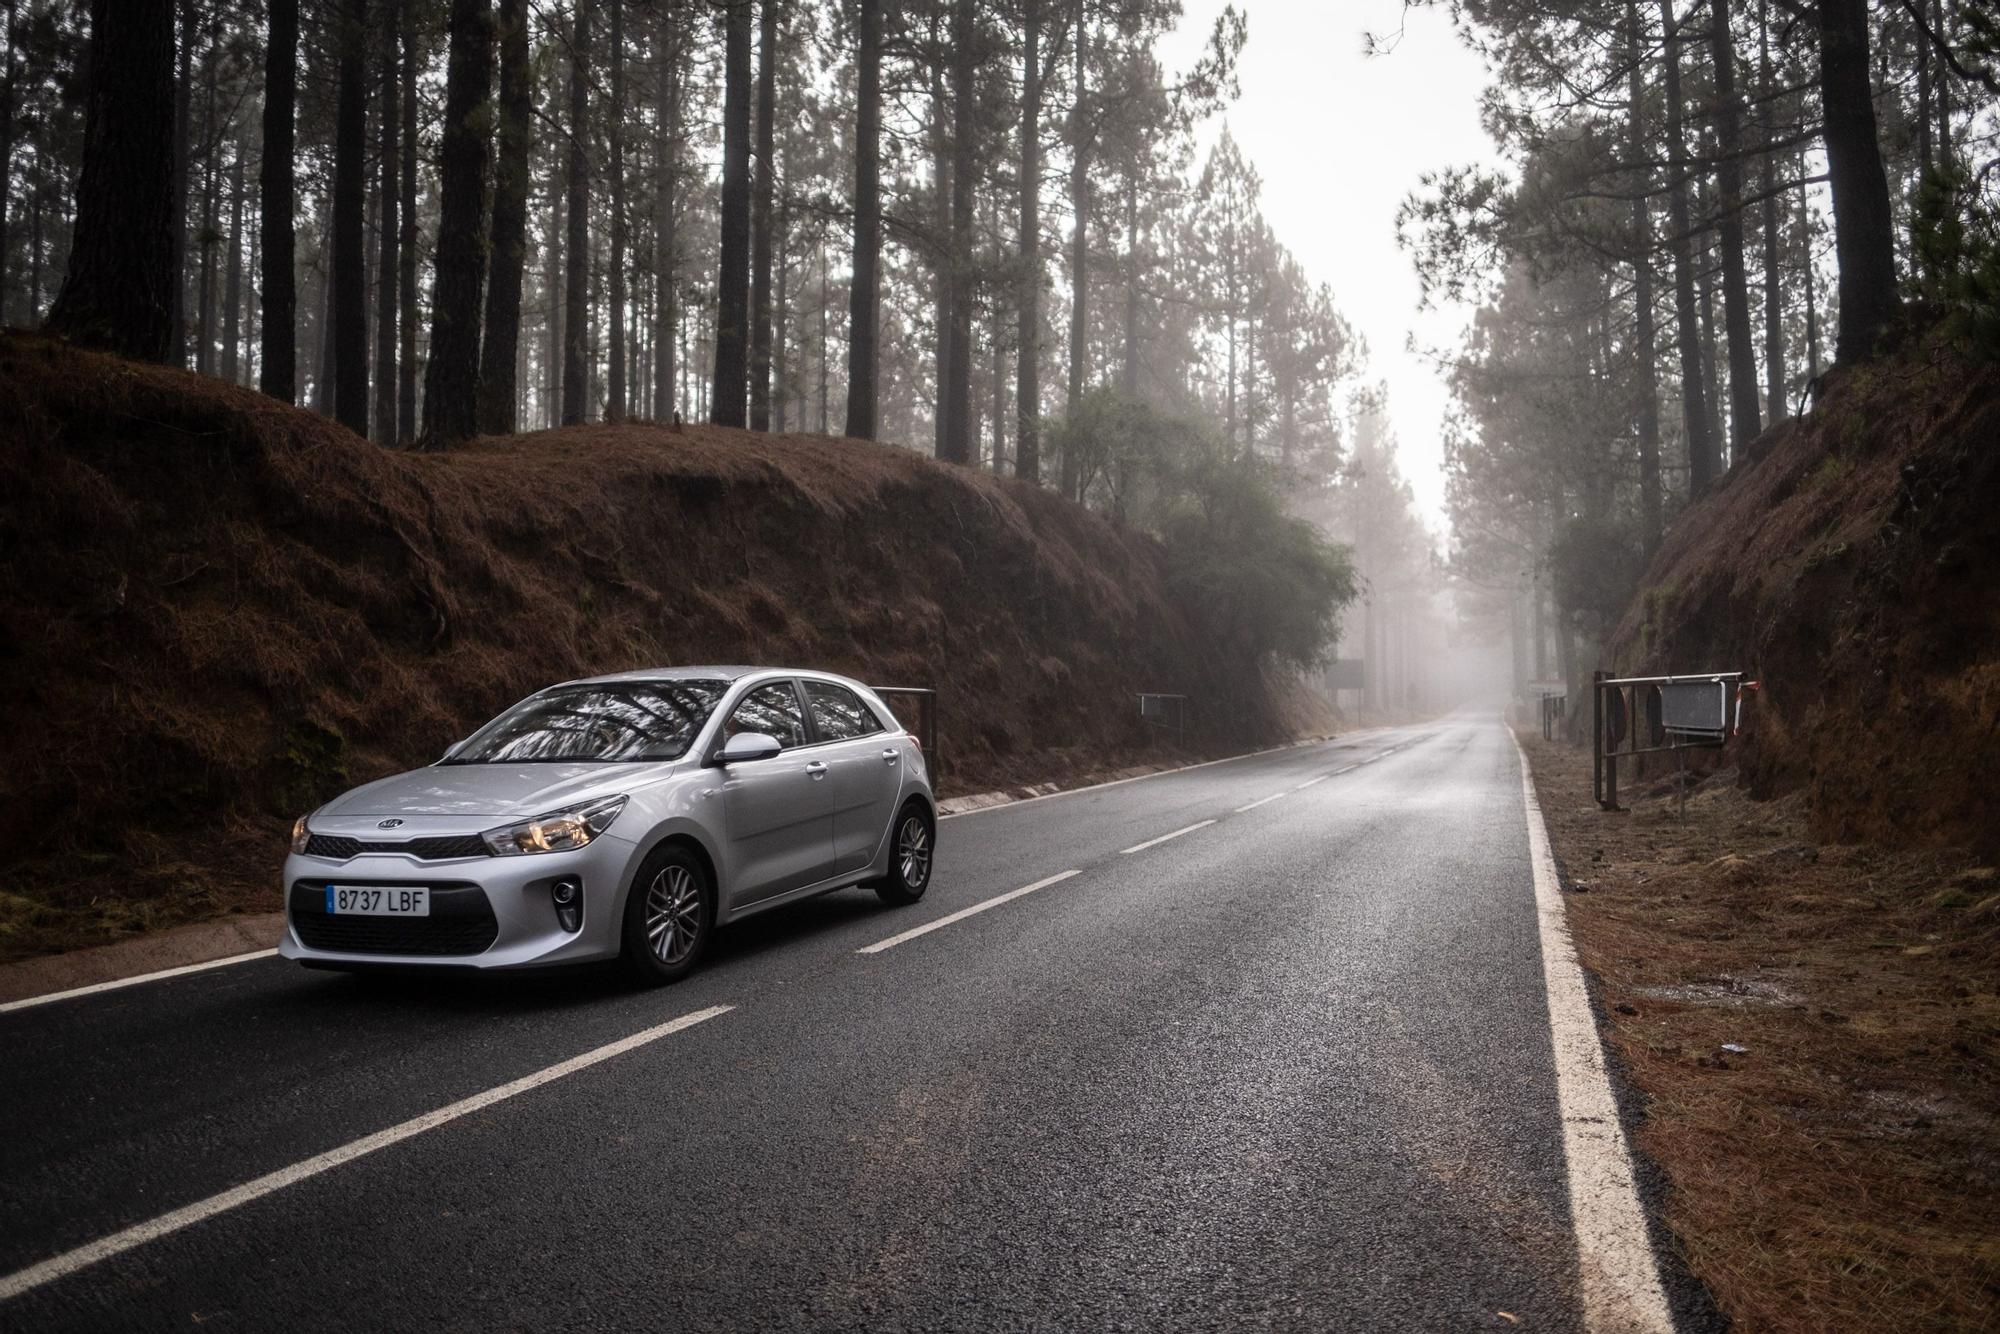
(1697,711)
(924,726)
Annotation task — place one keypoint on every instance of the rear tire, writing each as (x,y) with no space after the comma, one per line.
(669,917)
(912,847)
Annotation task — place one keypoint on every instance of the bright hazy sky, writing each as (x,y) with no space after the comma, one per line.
(1339,138)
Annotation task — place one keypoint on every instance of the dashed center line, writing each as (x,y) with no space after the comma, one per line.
(1348,770)
(964,913)
(1155,842)
(34,1276)
(1261,801)
(1310,781)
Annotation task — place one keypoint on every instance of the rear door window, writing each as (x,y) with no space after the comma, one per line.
(838,712)
(772,709)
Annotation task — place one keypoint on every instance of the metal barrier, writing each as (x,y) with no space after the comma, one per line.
(1164,712)
(1554,709)
(923,727)
(1681,713)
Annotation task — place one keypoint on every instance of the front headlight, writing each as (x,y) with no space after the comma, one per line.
(300,834)
(558,831)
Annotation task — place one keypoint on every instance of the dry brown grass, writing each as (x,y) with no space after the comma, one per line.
(219,611)
(1843,1172)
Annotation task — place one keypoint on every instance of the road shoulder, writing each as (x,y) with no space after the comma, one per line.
(1814,1034)
(177,947)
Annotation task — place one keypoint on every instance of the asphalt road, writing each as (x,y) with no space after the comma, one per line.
(1291,1068)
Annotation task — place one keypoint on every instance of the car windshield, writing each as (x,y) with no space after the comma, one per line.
(629,722)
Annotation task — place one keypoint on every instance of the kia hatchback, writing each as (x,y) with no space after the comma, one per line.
(622,817)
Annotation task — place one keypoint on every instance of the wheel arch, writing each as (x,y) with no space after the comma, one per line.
(673,835)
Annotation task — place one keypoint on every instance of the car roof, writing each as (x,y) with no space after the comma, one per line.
(706,674)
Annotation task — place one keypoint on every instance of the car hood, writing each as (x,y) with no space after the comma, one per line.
(491,789)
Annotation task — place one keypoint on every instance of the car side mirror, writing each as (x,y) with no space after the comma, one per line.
(745,747)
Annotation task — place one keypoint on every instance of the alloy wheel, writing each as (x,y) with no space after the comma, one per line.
(913,849)
(673,914)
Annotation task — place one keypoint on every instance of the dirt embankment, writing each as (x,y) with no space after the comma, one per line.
(1850,565)
(220,611)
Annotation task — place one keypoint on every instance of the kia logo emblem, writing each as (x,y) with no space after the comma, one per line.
(390,824)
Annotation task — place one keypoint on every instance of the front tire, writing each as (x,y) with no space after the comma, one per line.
(912,845)
(669,917)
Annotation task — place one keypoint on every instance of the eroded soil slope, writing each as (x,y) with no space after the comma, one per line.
(1851,565)
(220,610)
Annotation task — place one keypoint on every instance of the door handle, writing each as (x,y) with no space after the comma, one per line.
(891,756)
(817,770)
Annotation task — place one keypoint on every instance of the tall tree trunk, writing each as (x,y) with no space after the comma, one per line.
(666,259)
(554,300)
(615,395)
(1811,285)
(958,447)
(1863,234)
(1129,378)
(277,373)
(1650,518)
(942,289)
(576,288)
(1079,246)
(864,297)
(1694,404)
(183,100)
(119,290)
(1711,367)
(1774,309)
(1028,349)
(321,398)
(406,248)
(211,185)
(781,370)
(389,238)
(1744,424)
(451,376)
(499,350)
(9,78)
(760,220)
(732,319)
(232,289)
(350,199)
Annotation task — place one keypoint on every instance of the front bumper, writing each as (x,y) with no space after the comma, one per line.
(486,912)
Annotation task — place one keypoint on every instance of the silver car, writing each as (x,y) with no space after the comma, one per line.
(621,817)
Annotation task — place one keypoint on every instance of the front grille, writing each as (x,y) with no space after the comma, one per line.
(461,922)
(338,847)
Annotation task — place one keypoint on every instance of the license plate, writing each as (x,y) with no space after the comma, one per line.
(377,901)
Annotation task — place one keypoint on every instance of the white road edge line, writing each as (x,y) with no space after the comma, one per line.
(1618,1276)
(964,913)
(1155,842)
(1261,801)
(118,982)
(69,1262)
(1310,781)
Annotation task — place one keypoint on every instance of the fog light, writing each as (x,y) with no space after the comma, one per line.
(567,895)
